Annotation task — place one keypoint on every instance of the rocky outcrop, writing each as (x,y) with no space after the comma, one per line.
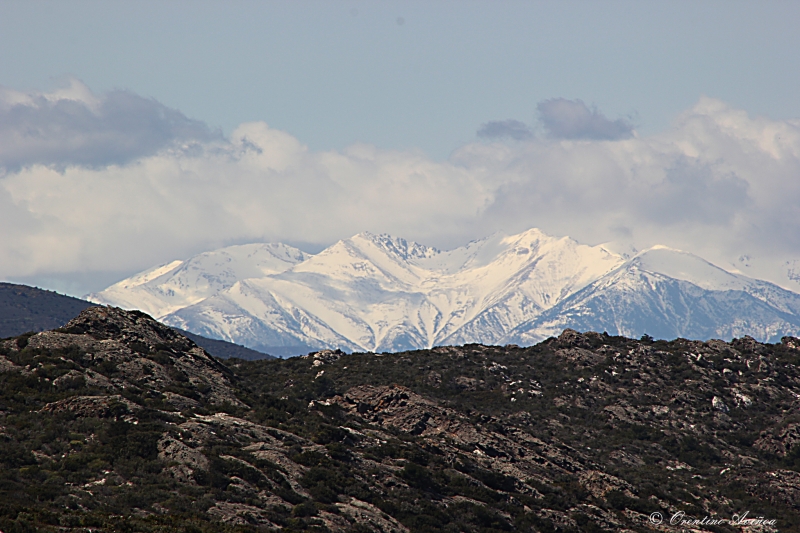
(93,406)
(116,350)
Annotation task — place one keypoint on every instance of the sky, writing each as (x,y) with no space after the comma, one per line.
(135,133)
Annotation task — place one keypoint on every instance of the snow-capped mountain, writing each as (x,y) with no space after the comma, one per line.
(381,293)
(667,294)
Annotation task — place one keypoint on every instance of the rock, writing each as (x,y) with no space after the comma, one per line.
(371,517)
(779,487)
(580,357)
(93,406)
(626,458)
(324,357)
(791,342)
(780,441)
(131,328)
(718,404)
(603,431)
(570,338)
(183,460)
(181,403)
(8,366)
(434,379)
(466,383)
(599,484)
(72,379)
(742,400)
(748,344)
(240,514)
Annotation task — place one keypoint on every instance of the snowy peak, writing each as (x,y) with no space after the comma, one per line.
(684,266)
(626,250)
(361,258)
(688,267)
(484,252)
(397,247)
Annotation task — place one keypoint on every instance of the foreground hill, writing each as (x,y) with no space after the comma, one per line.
(117,423)
(24,309)
(382,293)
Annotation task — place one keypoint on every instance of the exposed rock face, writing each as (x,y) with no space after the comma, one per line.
(396,407)
(780,441)
(127,327)
(92,406)
(512,452)
(186,457)
(127,350)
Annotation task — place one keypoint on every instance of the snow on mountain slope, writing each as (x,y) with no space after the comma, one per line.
(164,289)
(253,316)
(382,293)
(387,294)
(667,294)
(688,267)
(532,273)
(349,296)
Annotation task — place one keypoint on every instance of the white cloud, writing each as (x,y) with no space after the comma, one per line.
(716,182)
(719,183)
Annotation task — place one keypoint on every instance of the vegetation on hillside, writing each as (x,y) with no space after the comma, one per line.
(580,433)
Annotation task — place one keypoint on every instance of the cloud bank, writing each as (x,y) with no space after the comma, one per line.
(719,183)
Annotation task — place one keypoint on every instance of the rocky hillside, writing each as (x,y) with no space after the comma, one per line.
(117,423)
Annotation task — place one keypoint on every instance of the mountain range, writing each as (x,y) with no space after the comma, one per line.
(381,293)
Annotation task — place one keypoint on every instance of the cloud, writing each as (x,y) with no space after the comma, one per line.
(572,119)
(261,185)
(718,183)
(505,129)
(72,126)
(695,194)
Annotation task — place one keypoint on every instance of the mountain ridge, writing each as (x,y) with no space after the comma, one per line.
(695,308)
(385,294)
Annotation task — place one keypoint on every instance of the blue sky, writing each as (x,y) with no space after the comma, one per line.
(334,73)
(134,133)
